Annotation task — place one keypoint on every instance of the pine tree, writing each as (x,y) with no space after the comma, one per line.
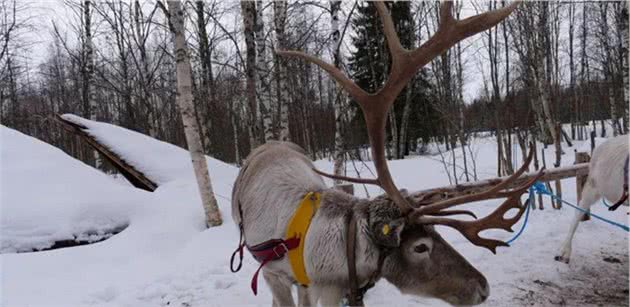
(369,66)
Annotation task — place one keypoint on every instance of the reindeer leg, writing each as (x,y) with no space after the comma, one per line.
(303,298)
(326,295)
(589,196)
(280,288)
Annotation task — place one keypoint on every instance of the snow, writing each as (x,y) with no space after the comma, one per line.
(47,196)
(166,256)
(159,161)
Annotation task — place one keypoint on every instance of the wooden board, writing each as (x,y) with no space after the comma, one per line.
(135,177)
(559,173)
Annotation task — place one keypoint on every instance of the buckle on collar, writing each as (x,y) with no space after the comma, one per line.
(280,253)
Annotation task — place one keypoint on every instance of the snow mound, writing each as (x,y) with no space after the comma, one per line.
(48,196)
(161,162)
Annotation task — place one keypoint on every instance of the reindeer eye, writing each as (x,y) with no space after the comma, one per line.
(421,248)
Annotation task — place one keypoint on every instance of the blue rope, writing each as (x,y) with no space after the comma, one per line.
(540,189)
(527,204)
(605,203)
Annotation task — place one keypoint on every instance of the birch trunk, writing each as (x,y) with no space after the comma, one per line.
(280,18)
(574,113)
(584,67)
(340,95)
(90,94)
(262,84)
(608,64)
(184,101)
(248,11)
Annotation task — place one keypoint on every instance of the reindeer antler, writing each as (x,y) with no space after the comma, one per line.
(375,106)
(405,64)
(495,220)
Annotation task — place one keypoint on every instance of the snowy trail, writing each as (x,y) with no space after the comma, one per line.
(166,257)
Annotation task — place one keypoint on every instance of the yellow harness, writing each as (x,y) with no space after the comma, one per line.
(298,226)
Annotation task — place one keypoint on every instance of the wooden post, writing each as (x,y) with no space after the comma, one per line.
(347,187)
(580,180)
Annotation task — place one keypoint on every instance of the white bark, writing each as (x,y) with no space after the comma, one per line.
(248,11)
(340,95)
(262,84)
(280,18)
(184,100)
(607,63)
(89,76)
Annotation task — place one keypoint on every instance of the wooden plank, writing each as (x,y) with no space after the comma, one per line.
(559,173)
(135,177)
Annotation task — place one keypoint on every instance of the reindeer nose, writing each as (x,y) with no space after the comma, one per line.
(483,291)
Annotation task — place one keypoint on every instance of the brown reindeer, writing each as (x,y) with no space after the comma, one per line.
(352,242)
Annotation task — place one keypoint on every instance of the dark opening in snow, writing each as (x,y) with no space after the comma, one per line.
(81,239)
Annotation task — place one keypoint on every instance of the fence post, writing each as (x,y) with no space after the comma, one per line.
(581,157)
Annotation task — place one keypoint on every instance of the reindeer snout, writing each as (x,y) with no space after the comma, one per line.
(483,291)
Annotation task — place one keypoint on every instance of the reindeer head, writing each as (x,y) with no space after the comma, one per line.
(426,265)
(422,263)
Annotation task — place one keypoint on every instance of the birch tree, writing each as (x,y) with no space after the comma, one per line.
(184,100)
(248,12)
(280,19)
(89,94)
(607,64)
(339,97)
(263,90)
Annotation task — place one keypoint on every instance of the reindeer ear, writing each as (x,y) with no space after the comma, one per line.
(389,233)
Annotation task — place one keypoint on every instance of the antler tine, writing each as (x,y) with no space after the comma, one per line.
(446,13)
(495,220)
(485,21)
(405,64)
(348,179)
(494,192)
(393,42)
(353,89)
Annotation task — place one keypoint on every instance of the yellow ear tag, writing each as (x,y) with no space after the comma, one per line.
(385,229)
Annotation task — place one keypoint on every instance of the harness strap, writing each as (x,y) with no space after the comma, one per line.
(269,251)
(239,250)
(241,242)
(376,275)
(355,298)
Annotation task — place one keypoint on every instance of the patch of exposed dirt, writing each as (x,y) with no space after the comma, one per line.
(600,281)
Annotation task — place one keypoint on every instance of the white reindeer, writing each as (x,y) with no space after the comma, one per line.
(350,242)
(606,178)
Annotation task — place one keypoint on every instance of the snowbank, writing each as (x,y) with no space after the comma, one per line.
(159,161)
(166,257)
(48,196)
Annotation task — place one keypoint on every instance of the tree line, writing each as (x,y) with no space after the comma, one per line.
(549,63)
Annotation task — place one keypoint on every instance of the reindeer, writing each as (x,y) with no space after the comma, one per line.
(607,178)
(351,243)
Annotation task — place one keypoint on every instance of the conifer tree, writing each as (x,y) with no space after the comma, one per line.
(412,116)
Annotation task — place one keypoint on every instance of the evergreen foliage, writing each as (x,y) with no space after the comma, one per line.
(369,66)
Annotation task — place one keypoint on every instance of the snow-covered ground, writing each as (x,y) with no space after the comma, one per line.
(166,257)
